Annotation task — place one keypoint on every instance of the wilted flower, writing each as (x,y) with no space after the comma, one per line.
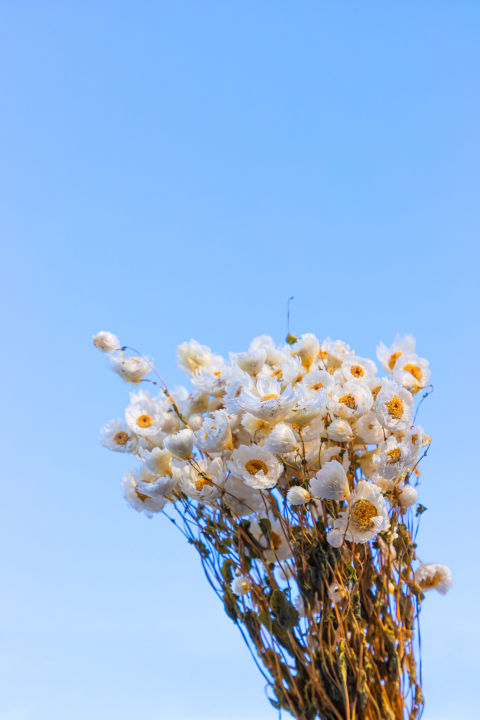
(130,369)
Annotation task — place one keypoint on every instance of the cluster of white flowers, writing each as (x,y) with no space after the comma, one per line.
(308,427)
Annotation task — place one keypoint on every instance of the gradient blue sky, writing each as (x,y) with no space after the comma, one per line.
(178,169)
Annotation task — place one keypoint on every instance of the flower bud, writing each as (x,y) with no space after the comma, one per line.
(340,430)
(240,585)
(106,341)
(408,496)
(335,538)
(298,495)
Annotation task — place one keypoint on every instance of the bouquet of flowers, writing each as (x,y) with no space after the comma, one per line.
(293,471)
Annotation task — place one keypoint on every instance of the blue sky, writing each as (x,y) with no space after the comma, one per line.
(179,169)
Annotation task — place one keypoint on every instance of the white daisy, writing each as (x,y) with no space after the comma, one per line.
(180,444)
(309,406)
(356,369)
(191,356)
(241,498)
(255,427)
(205,481)
(367,515)
(136,499)
(340,430)
(330,483)
(319,381)
(416,367)
(106,341)
(350,400)
(434,577)
(369,429)
(389,356)
(394,459)
(266,401)
(215,435)
(250,362)
(286,371)
(157,461)
(334,352)
(417,438)
(157,487)
(256,465)
(394,407)
(306,348)
(407,381)
(281,439)
(145,418)
(213,380)
(130,369)
(376,385)
(116,436)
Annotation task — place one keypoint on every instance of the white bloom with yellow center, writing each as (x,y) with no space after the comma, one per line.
(330,483)
(214,435)
(367,515)
(205,481)
(180,444)
(242,499)
(434,577)
(309,406)
(233,390)
(357,369)
(118,437)
(407,381)
(394,407)
(306,348)
(145,417)
(376,385)
(266,400)
(213,380)
(157,487)
(256,465)
(350,400)
(106,341)
(369,429)
(319,381)
(286,371)
(281,440)
(191,356)
(255,427)
(136,499)
(130,369)
(278,546)
(157,461)
(417,438)
(394,459)
(250,362)
(334,352)
(389,356)
(240,585)
(333,452)
(340,430)
(415,366)
(298,495)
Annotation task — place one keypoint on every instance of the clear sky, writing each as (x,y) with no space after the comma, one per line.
(179,169)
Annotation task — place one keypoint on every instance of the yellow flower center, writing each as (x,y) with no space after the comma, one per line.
(272,396)
(278,374)
(357,371)
(375,391)
(349,401)
(144,421)
(414,439)
(254,466)
(431,582)
(316,386)
(362,513)
(238,391)
(121,438)
(394,456)
(218,374)
(322,354)
(201,482)
(395,407)
(413,370)
(393,359)
(142,496)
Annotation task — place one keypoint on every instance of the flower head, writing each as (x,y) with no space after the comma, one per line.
(118,437)
(389,356)
(107,342)
(330,483)
(180,444)
(266,400)
(215,435)
(256,466)
(394,407)
(130,369)
(434,577)
(350,400)
(367,515)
